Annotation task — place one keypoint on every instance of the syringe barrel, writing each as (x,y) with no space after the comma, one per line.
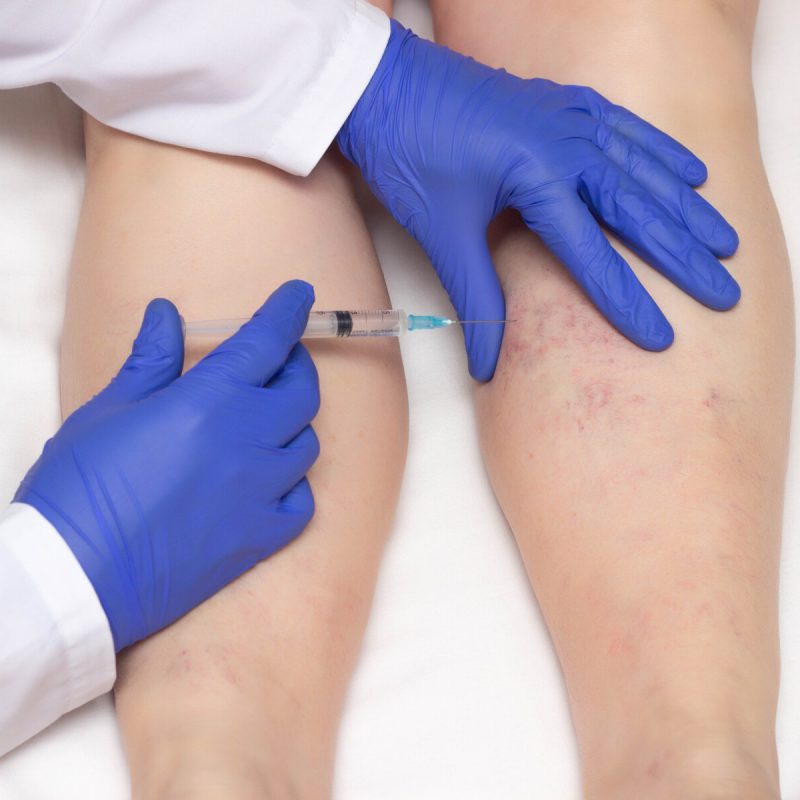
(378,322)
(321,324)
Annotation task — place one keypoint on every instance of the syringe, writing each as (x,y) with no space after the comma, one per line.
(329,324)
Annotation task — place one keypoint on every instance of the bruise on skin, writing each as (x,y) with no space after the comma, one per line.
(590,375)
(587,378)
(562,329)
(550,324)
(544,326)
(559,333)
(558,328)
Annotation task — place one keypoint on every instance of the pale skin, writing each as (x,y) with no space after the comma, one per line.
(644,490)
(242,697)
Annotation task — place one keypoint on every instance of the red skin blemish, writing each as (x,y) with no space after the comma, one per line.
(621,646)
(596,396)
(654,769)
(712,399)
(703,610)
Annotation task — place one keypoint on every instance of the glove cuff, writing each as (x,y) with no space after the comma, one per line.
(354,134)
(104,567)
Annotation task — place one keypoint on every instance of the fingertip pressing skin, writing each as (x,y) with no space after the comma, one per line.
(480,140)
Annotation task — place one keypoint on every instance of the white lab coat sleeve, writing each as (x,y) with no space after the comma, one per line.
(267,79)
(56,649)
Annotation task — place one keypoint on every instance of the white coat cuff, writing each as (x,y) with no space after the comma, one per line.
(321,111)
(59,636)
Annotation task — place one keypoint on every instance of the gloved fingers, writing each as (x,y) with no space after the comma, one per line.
(686,205)
(573,235)
(298,502)
(469,276)
(259,349)
(634,215)
(305,448)
(156,358)
(299,373)
(675,156)
(291,399)
(284,520)
(286,466)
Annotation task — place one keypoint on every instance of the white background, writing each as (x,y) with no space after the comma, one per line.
(458,694)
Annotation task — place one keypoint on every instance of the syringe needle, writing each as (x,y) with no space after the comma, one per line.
(481,321)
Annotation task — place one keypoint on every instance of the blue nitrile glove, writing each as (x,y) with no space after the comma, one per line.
(446,143)
(166,488)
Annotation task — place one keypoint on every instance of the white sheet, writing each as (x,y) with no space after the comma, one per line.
(458,694)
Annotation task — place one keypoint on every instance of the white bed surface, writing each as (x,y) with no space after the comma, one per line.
(458,694)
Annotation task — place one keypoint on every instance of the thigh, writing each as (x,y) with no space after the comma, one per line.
(265,662)
(645,489)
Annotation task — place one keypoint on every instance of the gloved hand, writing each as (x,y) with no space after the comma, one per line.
(446,143)
(166,488)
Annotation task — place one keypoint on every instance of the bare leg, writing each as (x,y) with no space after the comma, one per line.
(242,697)
(645,490)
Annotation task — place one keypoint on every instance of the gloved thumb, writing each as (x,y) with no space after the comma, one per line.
(157,355)
(469,275)
(259,349)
